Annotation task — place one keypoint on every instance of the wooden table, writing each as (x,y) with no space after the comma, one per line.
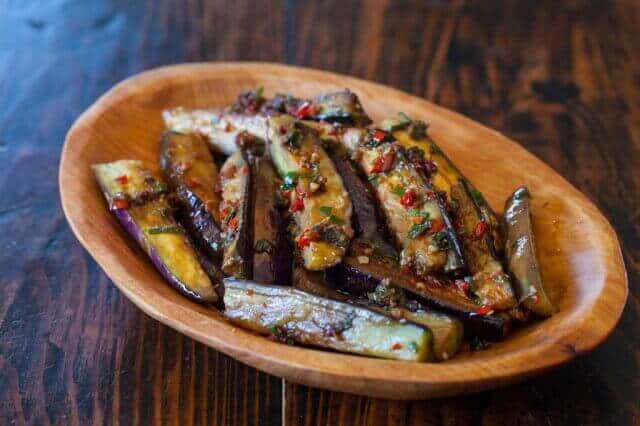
(562,80)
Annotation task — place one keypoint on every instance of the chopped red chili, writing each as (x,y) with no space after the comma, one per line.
(484,310)
(408,199)
(384,162)
(228,127)
(249,292)
(122,180)
(233,223)
(303,111)
(479,230)
(396,346)
(436,226)
(192,183)
(120,204)
(535,299)
(379,135)
(297,204)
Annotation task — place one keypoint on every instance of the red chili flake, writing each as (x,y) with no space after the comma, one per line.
(306,238)
(122,180)
(223,213)
(120,204)
(301,193)
(535,299)
(484,310)
(384,162)
(405,269)
(228,127)
(286,193)
(249,292)
(408,199)
(192,183)
(379,135)
(229,172)
(297,205)
(233,223)
(377,165)
(244,170)
(396,346)
(462,285)
(479,230)
(282,130)
(303,111)
(436,226)
(430,195)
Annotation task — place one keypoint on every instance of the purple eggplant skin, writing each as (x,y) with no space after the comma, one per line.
(139,201)
(271,248)
(192,175)
(366,220)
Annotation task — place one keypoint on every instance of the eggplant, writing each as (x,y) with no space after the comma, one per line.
(235,215)
(292,315)
(220,135)
(192,176)
(361,273)
(521,259)
(473,230)
(412,211)
(447,331)
(271,251)
(336,107)
(319,201)
(367,221)
(139,200)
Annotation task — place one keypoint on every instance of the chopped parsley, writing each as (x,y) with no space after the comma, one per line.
(441,240)
(257,94)
(477,196)
(374,181)
(263,246)
(165,229)
(398,190)
(294,141)
(325,211)
(418,229)
(419,213)
(336,220)
(290,179)
(418,129)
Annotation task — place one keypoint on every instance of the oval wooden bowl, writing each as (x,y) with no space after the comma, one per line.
(579,253)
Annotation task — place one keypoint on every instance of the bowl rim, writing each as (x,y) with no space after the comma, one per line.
(326,369)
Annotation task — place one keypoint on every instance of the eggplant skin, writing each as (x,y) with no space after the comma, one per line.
(192,175)
(292,315)
(521,256)
(138,200)
(271,248)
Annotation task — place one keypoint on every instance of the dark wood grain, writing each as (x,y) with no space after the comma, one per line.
(562,78)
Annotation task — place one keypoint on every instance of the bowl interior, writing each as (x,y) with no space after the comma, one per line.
(578,251)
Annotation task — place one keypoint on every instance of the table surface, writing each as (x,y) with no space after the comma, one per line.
(563,80)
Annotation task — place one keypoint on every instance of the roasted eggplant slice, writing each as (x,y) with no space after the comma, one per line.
(235,216)
(318,199)
(474,232)
(520,249)
(447,331)
(271,251)
(138,200)
(292,315)
(412,211)
(193,177)
(367,222)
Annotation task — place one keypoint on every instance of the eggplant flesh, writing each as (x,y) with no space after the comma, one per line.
(192,175)
(446,330)
(235,216)
(318,199)
(292,315)
(520,251)
(271,251)
(137,198)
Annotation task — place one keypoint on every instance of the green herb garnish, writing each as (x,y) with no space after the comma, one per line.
(290,179)
(165,229)
(336,220)
(418,129)
(294,141)
(374,181)
(399,190)
(419,213)
(477,196)
(257,93)
(159,187)
(263,246)
(418,229)
(441,240)
(325,211)
(230,214)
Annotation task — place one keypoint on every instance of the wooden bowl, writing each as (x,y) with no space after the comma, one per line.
(579,253)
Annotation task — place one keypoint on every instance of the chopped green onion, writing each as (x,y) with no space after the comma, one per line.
(418,229)
(336,220)
(325,211)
